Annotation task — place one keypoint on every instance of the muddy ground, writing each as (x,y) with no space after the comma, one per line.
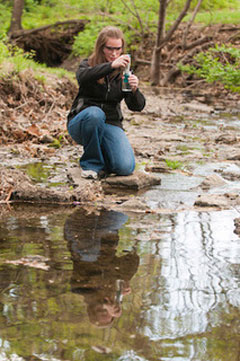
(178,130)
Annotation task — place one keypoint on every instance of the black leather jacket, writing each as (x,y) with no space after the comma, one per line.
(106,96)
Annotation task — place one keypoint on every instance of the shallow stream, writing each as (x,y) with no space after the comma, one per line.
(111,286)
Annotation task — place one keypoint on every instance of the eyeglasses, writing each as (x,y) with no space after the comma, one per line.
(112,48)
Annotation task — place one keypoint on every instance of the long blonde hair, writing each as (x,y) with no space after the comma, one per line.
(98,56)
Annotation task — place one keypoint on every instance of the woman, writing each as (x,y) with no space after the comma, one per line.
(95,119)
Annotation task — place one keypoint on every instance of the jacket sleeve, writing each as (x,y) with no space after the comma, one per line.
(135,101)
(86,73)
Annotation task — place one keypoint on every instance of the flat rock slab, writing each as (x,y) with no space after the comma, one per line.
(221,201)
(214,180)
(137,180)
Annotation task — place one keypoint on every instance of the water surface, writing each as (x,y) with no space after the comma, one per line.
(111,286)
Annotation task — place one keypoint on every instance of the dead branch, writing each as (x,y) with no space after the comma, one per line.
(135,14)
(206,39)
(184,59)
(174,72)
(191,22)
(189,46)
(232,28)
(142,61)
(21,33)
(233,37)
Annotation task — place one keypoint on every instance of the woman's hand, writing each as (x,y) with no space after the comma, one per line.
(133,82)
(121,61)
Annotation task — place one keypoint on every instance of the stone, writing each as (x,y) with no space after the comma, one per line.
(211,181)
(137,180)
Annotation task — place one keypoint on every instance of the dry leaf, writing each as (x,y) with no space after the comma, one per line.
(34,130)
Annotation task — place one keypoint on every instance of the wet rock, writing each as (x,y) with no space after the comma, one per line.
(231,176)
(74,177)
(226,138)
(234,156)
(198,107)
(222,201)
(137,180)
(160,167)
(212,200)
(237,226)
(134,204)
(211,181)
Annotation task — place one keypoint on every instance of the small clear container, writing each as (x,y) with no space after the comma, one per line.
(126,73)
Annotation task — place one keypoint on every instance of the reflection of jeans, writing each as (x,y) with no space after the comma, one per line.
(106,146)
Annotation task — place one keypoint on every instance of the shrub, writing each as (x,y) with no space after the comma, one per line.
(219,64)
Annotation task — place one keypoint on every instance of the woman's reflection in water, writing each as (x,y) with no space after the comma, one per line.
(98,274)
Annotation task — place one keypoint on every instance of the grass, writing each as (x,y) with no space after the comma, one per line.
(174,164)
(226,16)
(14,60)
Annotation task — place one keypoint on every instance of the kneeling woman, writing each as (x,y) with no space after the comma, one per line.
(95,119)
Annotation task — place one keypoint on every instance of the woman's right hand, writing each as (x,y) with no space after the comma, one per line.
(121,61)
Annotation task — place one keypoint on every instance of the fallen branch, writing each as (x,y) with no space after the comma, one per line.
(142,61)
(21,33)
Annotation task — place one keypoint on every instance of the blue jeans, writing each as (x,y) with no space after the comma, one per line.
(106,147)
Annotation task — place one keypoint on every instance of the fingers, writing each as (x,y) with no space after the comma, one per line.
(133,81)
(120,62)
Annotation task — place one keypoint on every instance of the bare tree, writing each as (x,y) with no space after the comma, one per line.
(163,38)
(16,20)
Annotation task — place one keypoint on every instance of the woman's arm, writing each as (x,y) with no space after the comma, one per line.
(86,73)
(135,100)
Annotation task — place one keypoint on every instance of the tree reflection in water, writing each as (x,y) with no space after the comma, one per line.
(98,273)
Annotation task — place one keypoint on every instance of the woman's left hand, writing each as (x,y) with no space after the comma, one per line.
(133,81)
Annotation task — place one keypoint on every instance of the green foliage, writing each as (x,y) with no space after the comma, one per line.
(218,4)
(84,42)
(219,64)
(219,16)
(5,12)
(173,164)
(13,60)
(207,5)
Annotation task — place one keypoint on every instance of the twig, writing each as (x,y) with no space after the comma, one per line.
(6,200)
(120,22)
(190,23)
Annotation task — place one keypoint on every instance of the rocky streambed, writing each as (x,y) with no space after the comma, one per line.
(187,151)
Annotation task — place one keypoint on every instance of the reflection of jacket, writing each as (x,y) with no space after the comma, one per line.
(106,95)
(92,240)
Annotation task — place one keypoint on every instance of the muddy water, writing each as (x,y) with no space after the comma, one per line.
(112,286)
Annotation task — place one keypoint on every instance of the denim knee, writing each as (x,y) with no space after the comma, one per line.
(124,166)
(85,123)
(95,116)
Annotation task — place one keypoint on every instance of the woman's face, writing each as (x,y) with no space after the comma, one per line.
(112,49)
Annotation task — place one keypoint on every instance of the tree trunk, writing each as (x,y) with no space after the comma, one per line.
(162,39)
(16,20)
(156,58)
